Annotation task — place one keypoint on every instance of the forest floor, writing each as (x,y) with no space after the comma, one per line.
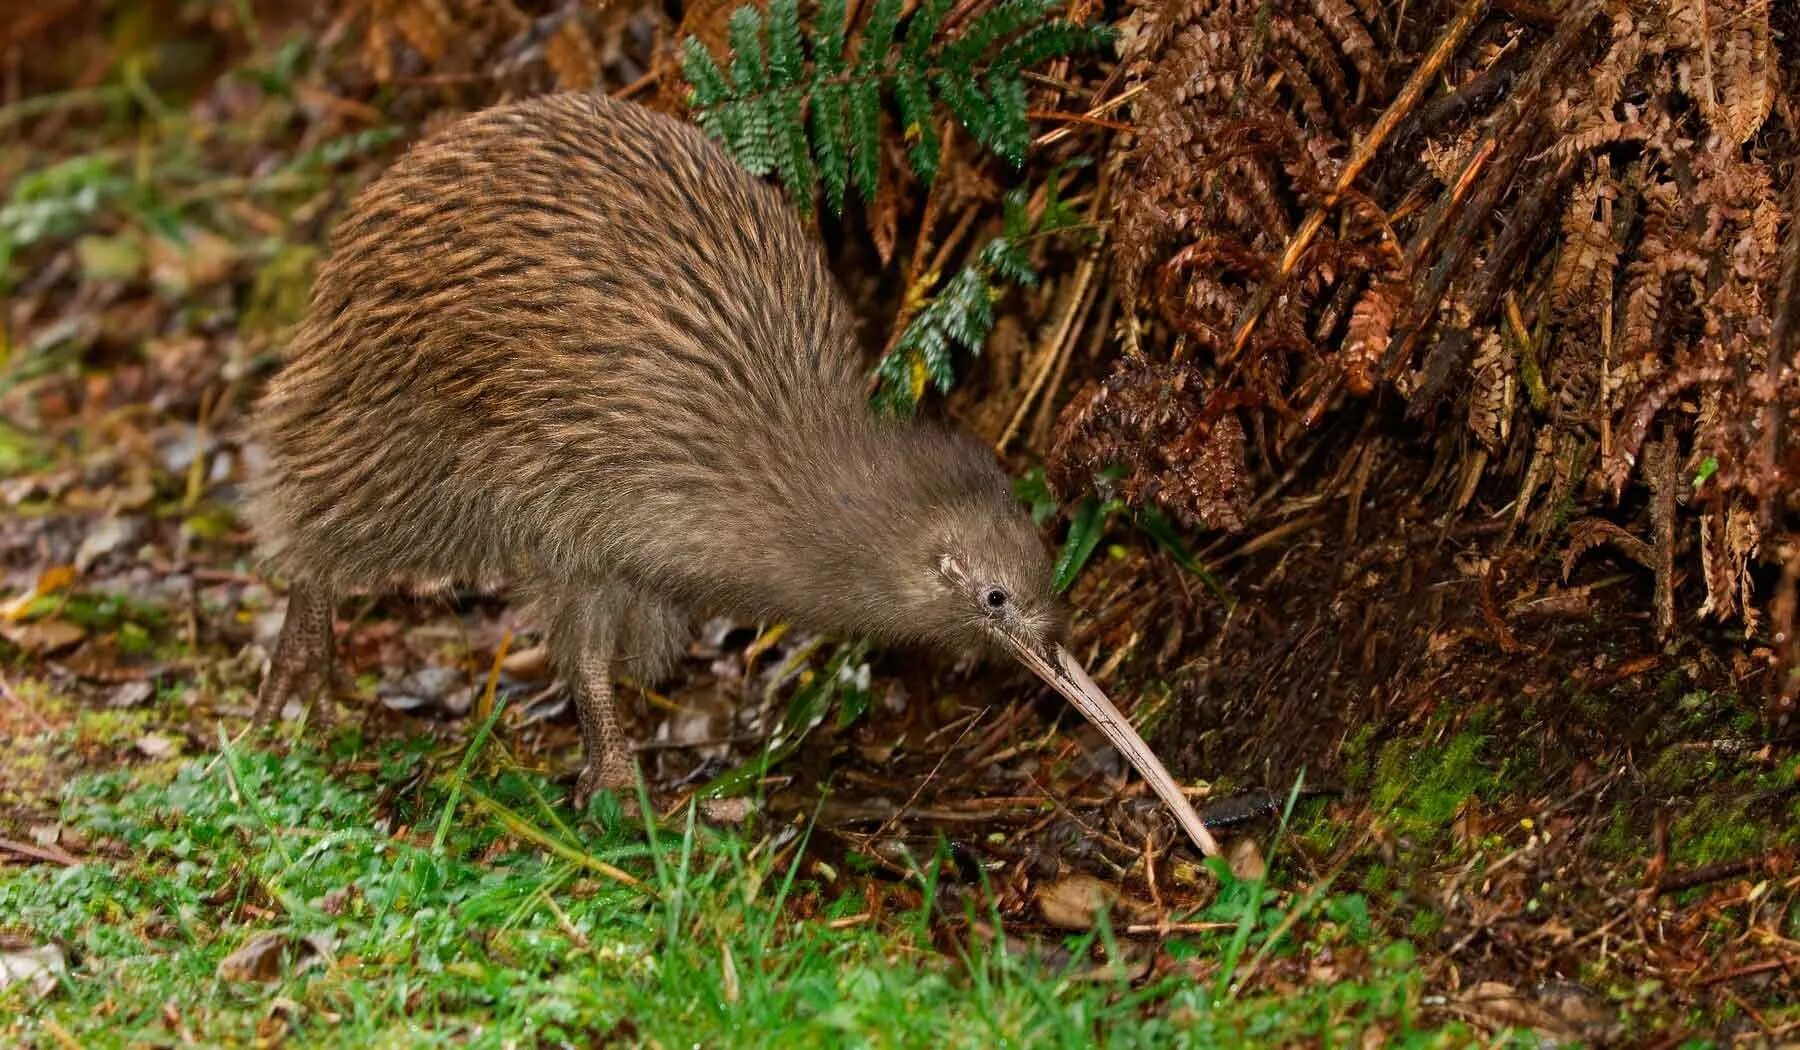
(1556,830)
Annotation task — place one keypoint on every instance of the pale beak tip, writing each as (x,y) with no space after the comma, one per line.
(1060,671)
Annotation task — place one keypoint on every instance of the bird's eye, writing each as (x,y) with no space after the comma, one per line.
(995,598)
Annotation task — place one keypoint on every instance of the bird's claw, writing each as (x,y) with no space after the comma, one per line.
(613,773)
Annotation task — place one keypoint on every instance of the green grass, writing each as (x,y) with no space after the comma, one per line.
(492,941)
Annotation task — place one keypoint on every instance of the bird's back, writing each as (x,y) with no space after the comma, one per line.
(553,331)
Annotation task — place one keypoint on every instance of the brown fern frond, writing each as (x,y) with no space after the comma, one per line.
(1589,533)
(1637,422)
(1588,247)
(1493,392)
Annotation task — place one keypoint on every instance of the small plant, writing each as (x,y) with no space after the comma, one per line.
(962,313)
(797,101)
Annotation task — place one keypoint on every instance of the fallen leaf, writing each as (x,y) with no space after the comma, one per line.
(51,580)
(1075,902)
(1247,860)
(260,959)
(131,694)
(735,810)
(428,686)
(45,637)
(105,537)
(156,745)
(528,665)
(118,258)
(37,968)
(1501,1005)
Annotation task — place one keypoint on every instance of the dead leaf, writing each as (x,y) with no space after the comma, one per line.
(1500,1005)
(45,637)
(528,665)
(37,968)
(131,694)
(199,259)
(1247,860)
(1074,903)
(156,745)
(51,580)
(260,959)
(105,537)
(727,811)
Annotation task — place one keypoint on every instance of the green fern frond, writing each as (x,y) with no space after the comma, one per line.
(921,31)
(878,35)
(987,30)
(865,136)
(914,97)
(829,118)
(814,120)
(961,315)
(704,74)
(786,60)
(749,71)
(829,33)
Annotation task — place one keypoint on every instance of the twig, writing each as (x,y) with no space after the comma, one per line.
(1780,962)
(44,853)
(1092,115)
(1056,348)
(942,758)
(1716,872)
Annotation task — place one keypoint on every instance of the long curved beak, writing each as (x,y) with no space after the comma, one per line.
(1060,671)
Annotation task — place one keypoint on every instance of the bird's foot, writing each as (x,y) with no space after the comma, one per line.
(284,683)
(610,772)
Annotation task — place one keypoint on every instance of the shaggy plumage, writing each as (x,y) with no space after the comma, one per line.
(568,344)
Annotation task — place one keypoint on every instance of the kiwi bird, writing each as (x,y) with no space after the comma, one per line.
(570,346)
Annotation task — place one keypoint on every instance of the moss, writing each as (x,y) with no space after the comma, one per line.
(1421,787)
(1714,830)
(109,729)
(1618,840)
(1355,753)
(1425,924)
(1319,835)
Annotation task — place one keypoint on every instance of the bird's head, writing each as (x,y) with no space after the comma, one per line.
(986,582)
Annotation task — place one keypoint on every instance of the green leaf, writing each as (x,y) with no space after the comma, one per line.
(702,74)
(830,127)
(786,62)
(878,34)
(1049,40)
(749,70)
(1033,490)
(921,31)
(967,104)
(914,97)
(1162,530)
(996,22)
(865,136)
(794,158)
(1009,130)
(828,38)
(1085,531)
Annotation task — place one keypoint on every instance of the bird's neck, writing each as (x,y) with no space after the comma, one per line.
(821,524)
(847,532)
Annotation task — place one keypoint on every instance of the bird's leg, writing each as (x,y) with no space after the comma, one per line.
(606,753)
(303,657)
